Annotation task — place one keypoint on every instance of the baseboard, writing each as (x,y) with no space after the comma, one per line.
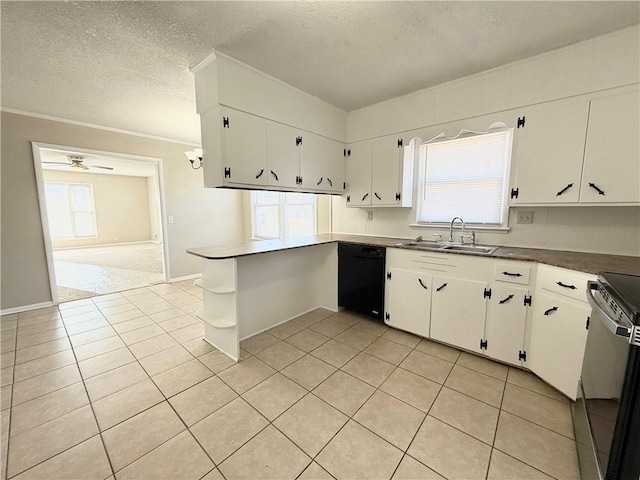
(284,321)
(186,277)
(26,308)
(102,245)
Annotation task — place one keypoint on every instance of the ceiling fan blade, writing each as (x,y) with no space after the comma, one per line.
(104,168)
(57,163)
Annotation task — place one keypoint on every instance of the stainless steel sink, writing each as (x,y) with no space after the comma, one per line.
(482,249)
(438,247)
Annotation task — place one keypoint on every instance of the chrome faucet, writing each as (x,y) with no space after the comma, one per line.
(451,227)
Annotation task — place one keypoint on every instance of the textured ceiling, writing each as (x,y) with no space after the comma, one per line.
(126,64)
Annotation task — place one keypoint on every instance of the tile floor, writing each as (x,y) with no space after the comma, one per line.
(122,386)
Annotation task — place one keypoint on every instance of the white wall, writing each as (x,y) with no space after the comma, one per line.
(121,207)
(604,62)
(202,216)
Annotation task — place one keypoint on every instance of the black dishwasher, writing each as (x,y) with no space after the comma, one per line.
(361,278)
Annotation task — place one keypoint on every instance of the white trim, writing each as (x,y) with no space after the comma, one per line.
(48,244)
(98,127)
(36,146)
(185,277)
(26,308)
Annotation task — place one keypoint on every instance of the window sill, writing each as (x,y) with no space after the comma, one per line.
(446,226)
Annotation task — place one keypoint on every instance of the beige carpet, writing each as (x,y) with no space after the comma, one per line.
(87,272)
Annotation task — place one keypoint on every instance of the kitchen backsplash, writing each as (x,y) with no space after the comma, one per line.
(614,230)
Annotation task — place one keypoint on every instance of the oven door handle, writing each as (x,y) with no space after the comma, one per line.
(612,325)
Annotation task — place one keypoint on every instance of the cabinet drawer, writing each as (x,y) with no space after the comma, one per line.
(508,272)
(569,283)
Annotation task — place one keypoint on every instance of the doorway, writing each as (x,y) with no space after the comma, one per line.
(102,219)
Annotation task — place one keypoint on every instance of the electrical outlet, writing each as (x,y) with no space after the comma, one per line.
(369,215)
(170,218)
(525,216)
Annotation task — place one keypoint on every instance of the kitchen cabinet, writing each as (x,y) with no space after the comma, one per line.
(283,156)
(548,152)
(558,338)
(380,173)
(408,301)
(358,174)
(458,309)
(322,163)
(506,323)
(559,327)
(611,172)
(244,140)
(245,151)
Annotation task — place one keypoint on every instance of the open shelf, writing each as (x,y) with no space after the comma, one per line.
(217,290)
(215,322)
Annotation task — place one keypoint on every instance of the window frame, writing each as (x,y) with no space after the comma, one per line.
(72,211)
(421,181)
(282,219)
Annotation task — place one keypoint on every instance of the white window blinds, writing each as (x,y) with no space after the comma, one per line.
(465,177)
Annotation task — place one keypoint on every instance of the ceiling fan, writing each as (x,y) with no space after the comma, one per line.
(75,163)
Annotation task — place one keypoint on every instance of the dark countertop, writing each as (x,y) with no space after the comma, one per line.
(581,261)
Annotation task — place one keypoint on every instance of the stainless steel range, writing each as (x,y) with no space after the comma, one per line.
(607,416)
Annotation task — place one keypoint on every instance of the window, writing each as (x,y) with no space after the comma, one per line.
(282,215)
(465,177)
(70,210)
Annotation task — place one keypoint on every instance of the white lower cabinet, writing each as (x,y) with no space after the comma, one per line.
(408,301)
(506,323)
(458,309)
(558,337)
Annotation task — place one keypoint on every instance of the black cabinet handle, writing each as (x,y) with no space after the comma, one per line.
(260,173)
(377,196)
(506,299)
(330,182)
(441,287)
(564,189)
(422,284)
(572,287)
(319,181)
(552,309)
(509,274)
(595,187)
(274,174)
(365,196)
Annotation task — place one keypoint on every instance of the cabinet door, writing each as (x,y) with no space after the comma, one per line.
(558,337)
(359,175)
(505,325)
(612,153)
(245,148)
(408,301)
(548,151)
(321,164)
(283,156)
(458,310)
(385,171)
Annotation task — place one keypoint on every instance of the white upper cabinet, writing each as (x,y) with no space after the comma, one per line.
(322,164)
(548,151)
(244,141)
(257,147)
(283,156)
(358,173)
(611,171)
(389,173)
(385,171)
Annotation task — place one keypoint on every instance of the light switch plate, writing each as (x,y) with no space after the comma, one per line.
(525,216)
(369,215)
